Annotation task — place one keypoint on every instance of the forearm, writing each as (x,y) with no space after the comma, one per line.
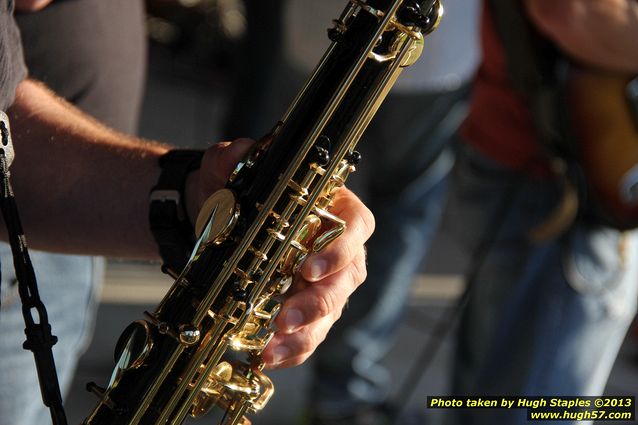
(31,5)
(598,33)
(83,188)
(80,187)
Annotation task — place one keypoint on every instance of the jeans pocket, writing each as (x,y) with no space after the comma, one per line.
(597,265)
(593,259)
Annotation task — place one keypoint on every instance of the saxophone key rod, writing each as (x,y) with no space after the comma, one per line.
(222,318)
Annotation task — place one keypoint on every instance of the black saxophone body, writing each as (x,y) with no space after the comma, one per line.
(201,347)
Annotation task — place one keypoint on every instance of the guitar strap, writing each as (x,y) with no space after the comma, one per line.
(531,66)
(538,71)
(632,96)
(37,329)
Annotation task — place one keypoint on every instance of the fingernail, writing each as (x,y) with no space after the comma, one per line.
(318,267)
(294,318)
(280,354)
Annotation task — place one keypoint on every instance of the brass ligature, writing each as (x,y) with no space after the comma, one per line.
(201,346)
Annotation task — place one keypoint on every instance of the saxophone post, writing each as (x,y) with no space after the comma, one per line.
(200,348)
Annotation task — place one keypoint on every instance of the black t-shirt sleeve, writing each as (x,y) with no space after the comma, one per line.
(12,67)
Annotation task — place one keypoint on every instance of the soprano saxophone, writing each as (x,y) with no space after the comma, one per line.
(201,347)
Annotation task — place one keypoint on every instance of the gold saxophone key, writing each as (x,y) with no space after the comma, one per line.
(217,217)
(202,346)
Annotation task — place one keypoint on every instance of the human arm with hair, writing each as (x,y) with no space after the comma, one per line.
(84,188)
(31,5)
(598,33)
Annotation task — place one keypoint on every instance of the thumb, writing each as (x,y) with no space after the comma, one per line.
(220,160)
(218,163)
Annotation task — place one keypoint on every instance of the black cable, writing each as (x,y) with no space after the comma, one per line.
(37,330)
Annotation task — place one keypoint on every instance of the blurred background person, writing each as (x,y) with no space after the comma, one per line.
(547,313)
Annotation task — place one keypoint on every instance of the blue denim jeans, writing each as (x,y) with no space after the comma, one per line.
(70,299)
(543,318)
(402,180)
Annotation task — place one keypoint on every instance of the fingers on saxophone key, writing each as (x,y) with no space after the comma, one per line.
(335,272)
(323,299)
(341,252)
(293,349)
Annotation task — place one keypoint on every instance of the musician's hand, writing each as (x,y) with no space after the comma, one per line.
(31,5)
(599,33)
(218,163)
(326,279)
(322,288)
